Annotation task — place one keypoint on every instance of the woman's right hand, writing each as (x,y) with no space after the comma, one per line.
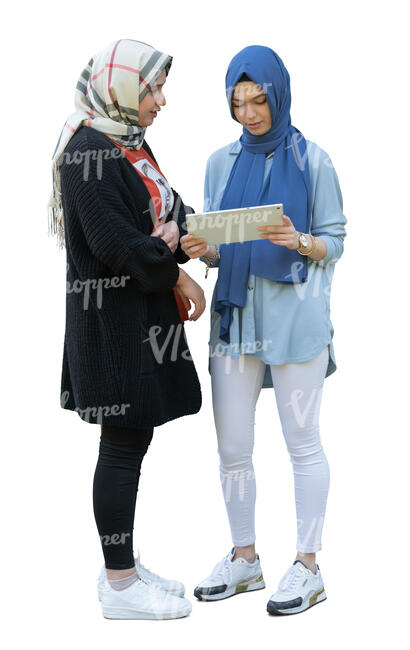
(196,247)
(189,290)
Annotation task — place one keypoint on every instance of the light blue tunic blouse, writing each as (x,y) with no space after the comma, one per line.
(284,323)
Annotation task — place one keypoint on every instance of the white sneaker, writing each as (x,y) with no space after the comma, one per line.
(230,578)
(172,586)
(142,600)
(298,590)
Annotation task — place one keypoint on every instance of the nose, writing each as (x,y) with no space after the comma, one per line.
(250,112)
(160,99)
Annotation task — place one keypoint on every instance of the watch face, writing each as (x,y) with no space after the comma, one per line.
(304,240)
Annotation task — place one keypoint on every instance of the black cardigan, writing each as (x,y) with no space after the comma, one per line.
(126,359)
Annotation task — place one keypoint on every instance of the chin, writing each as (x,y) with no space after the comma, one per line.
(262,130)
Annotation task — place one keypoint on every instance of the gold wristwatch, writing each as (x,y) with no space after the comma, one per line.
(304,244)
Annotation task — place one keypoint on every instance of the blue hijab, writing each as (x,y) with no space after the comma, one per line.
(287,183)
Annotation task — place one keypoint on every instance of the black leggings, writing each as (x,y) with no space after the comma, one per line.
(115,490)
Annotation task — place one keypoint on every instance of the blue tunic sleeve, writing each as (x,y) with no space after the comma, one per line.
(328,220)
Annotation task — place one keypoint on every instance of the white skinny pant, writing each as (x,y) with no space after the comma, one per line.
(236,384)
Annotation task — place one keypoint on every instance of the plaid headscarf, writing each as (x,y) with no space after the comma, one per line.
(107,98)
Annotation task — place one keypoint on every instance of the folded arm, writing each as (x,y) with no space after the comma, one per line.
(98,198)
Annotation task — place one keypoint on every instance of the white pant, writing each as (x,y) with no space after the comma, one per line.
(236,384)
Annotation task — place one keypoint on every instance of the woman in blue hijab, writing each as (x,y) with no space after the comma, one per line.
(270,320)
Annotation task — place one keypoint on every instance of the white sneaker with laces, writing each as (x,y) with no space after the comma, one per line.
(142,600)
(174,587)
(230,578)
(298,590)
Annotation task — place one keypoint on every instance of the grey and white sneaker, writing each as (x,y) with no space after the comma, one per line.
(142,601)
(298,590)
(230,578)
(173,587)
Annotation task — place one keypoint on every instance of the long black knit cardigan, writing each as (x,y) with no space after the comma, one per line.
(126,359)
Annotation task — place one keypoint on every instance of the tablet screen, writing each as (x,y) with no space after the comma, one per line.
(238,225)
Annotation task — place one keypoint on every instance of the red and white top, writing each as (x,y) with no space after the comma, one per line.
(162,197)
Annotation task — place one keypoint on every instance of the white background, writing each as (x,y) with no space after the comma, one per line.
(348,65)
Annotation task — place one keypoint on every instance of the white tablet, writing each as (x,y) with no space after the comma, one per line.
(239,225)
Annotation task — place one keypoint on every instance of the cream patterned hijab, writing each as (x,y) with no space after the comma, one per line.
(107,98)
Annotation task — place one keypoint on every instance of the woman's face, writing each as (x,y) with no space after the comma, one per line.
(251,107)
(153,100)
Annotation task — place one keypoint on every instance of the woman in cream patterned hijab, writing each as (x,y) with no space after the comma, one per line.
(107,98)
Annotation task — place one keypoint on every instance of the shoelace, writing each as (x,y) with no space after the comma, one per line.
(144,568)
(291,578)
(223,569)
(155,587)
(149,581)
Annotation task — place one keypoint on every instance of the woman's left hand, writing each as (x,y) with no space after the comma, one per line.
(285,235)
(169,232)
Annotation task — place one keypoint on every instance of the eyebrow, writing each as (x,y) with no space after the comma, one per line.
(235,99)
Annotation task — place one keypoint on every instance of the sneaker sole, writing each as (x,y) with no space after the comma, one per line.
(240,588)
(316,598)
(124,613)
(179,594)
